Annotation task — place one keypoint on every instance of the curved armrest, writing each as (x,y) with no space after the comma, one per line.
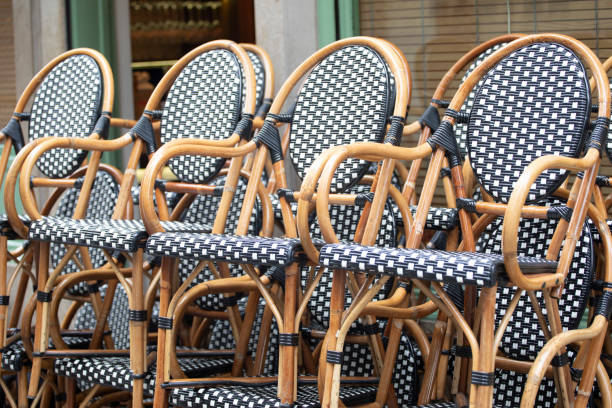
(516,203)
(179,147)
(322,171)
(26,166)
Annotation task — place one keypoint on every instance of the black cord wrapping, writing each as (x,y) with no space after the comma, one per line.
(287,193)
(362,198)
(599,133)
(93,288)
(576,374)
(480,378)
(334,357)
(160,184)
(286,117)
(244,127)
(430,118)
(4,300)
(558,212)
(268,135)
(604,304)
(164,323)
(155,114)
(102,125)
(445,172)
(78,183)
(264,108)
(230,301)
(13,131)
(444,137)
(144,130)
(396,127)
(466,204)
(560,360)
(288,339)
(138,315)
(277,273)
(139,376)
(441,103)
(25,116)
(600,285)
(44,297)
(218,191)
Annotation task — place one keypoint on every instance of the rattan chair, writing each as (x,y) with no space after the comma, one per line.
(220,73)
(321,118)
(501,172)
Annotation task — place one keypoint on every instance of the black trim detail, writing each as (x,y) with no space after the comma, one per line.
(164,323)
(287,193)
(444,136)
(560,360)
(230,301)
(445,172)
(139,376)
(461,351)
(334,357)
(13,131)
(285,117)
(370,329)
(160,184)
(286,406)
(480,378)
(155,114)
(558,212)
(594,108)
(599,133)
(396,127)
(264,108)
(143,129)
(288,339)
(604,304)
(23,116)
(430,118)
(601,284)
(4,300)
(466,204)
(102,126)
(441,103)
(576,374)
(244,127)
(138,315)
(93,288)
(268,135)
(362,198)
(602,181)
(218,191)
(44,297)
(60,397)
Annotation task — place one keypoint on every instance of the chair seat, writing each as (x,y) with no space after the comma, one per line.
(227,248)
(470,268)
(14,356)
(115,371)
(262,396)
(121,235)
(5,225)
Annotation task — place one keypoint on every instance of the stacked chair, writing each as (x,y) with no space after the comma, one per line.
(205,302)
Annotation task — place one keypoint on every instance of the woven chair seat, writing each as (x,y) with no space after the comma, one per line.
(470,268)
(438,405)
(226,248)
(14,356)
(262,397)
(121,235)
(115,371)
(5,225)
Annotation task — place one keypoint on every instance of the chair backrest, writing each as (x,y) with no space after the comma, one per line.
(542,83)
(260,78)
(204,102)
(344,99)
(67,103)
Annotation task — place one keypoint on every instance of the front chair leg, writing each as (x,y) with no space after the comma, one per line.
(484,379)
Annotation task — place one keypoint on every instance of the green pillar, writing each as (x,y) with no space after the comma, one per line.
(337,19)
(348,18)
(92,25)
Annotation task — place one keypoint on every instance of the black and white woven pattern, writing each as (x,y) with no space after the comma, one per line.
(227,248)
(534,102)
(343,100)
(102,199)
(121,235)
(461,128)
(67,103)
(260,79)
(204,210)
(5,226)
(439,218)
(523,337)
(509,387)
(470,268)
(203,103)
(14,356)
(261,397)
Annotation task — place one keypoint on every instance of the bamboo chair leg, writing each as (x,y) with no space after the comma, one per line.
(242,344)
(589,371)
(385,392)
(138,332)
(70,391)
(43,271)
(22,388)
(431,365)
(487,344)
(165,292)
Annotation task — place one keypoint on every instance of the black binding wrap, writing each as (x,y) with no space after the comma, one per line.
(599,133)
(444,136)
(244,126)
(600,284)
(558,212)
(102,124)
(60,397)
(218,191)
(78,183)
(430,118)
(334,357)
(288,339)
(287,193)
(370,329)
(155,114)
(164,323)
(362,198)
(576,374)
(455,293)
(139,376)
(264,108)
(230,301)
(286,117)
(268,135)
(594,108)
(4,300)
(23,116)
(138,315)
(602,181)
(460,117)
(445,172)
(480,378)
(160,184)
(461,351)
(144,130)
(560,360)
(44,297)
(93,288)
(466,204)
(290,405)
(604,304)
(13,131)
(396,127)
(441,103)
